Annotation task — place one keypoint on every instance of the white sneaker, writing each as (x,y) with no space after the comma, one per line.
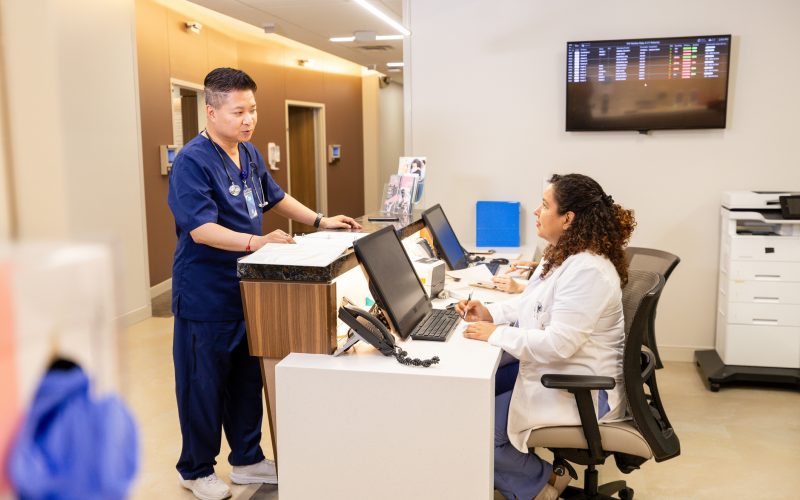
(261,472)
(207,488)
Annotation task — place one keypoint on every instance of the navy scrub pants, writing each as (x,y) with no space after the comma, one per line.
(217,384)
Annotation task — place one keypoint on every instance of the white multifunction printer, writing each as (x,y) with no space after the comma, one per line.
(758,298)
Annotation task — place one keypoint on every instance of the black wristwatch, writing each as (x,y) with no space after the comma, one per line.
(318,219)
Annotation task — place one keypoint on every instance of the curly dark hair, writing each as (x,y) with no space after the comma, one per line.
(600,226)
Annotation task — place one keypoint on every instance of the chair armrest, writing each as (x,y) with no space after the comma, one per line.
(587,382)
(580,387)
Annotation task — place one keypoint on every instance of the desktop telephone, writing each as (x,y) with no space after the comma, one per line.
(367,327)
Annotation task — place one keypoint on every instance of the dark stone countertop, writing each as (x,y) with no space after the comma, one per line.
(406,226)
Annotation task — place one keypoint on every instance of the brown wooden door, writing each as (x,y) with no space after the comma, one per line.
(302,161)
(189,114)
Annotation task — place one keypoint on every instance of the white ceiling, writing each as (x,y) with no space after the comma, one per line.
(314,22)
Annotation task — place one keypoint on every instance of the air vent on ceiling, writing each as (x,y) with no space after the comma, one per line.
(375,47)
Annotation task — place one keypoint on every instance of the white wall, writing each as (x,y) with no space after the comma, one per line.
(485,101)
(74,131)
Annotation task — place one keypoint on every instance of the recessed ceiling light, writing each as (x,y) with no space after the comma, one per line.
(341,39)
(394,64)
(383,17)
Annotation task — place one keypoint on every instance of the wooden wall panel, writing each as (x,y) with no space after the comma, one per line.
(304,84)
(188,52)
(345,127)
(284,317)
(156,120)
(271,127)
(222,52)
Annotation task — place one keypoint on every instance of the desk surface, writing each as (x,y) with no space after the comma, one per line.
(459,358)
(406,226)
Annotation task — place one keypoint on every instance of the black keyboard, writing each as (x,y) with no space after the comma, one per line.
(436,326)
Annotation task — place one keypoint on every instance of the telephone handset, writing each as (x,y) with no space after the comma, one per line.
(367,327)
(425,248)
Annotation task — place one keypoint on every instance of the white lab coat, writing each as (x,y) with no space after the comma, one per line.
(571,322)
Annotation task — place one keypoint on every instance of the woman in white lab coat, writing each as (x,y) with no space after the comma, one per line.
(568,320)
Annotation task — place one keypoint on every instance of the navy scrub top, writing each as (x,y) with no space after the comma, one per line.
(204,282)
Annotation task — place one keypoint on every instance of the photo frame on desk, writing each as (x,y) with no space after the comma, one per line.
(414,165)
(391,195)
(408,185)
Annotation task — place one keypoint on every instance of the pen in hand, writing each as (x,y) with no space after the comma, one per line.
(466,306)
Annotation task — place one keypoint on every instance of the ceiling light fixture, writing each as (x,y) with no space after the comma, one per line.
(341,39)
(394,64)
(364,36)
(383,17)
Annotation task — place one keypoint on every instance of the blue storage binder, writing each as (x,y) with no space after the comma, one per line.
(497,224)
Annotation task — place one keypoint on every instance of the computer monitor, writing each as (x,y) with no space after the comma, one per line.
(392,279)
(444,238)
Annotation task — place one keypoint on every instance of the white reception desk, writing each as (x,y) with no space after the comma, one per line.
(362,426)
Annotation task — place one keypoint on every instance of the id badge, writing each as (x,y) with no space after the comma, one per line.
(251,203)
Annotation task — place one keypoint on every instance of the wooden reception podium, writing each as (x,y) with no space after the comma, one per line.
(291,308)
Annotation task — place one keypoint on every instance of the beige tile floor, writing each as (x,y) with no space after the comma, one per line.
(739,443)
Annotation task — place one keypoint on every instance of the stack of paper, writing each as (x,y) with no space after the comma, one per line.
(314,250)
(339,236)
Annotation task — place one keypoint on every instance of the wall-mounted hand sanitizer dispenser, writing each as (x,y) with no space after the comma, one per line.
(334,152)
(273,155)
(168,154)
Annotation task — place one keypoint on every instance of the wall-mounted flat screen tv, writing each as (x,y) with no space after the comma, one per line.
(648,84)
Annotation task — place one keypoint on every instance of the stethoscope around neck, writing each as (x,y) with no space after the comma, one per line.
(244,173)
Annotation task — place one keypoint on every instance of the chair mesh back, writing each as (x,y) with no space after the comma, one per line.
(639,298)
(650,259)
(639,284)
(657,261)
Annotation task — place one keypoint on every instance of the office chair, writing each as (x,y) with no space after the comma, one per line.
(658,261)
(632,442)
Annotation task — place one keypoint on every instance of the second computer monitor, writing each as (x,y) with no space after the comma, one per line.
(392,279)
(444,238)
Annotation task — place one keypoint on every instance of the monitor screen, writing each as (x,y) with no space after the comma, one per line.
(647,84)
(444,238)
(392,279)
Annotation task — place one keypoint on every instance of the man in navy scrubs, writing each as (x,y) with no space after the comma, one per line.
(218,190)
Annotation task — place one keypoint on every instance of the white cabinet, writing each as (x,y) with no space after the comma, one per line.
(758,304)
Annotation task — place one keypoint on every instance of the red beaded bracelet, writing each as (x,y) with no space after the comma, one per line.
(247,248)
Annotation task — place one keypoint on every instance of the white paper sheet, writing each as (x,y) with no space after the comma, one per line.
(307,252)
(339,236)
(471,274)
